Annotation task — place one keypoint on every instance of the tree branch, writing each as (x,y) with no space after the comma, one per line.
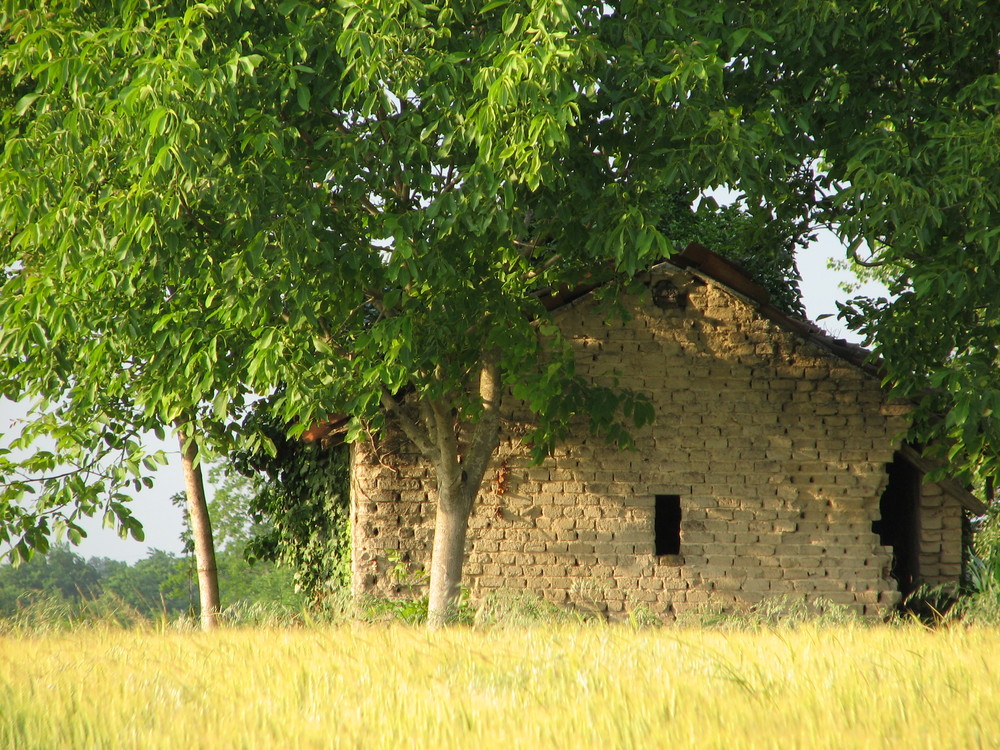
(550,261)
(486,435)
(409,427)
(428,416)
(866,263)
(449,457)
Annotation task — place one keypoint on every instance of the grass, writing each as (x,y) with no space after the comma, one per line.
(554,685)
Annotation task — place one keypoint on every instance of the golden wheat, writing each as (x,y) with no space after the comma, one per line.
(559,686)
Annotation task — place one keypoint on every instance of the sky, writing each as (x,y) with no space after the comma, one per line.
(162,521)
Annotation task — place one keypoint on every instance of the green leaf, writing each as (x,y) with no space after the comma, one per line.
(220,405)
(156,123)
(736,40)
(24,104)
(303,96)
(38,334)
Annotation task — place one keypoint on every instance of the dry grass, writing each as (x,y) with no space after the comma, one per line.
(554,686)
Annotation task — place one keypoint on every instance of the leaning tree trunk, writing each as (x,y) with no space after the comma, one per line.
(201,531)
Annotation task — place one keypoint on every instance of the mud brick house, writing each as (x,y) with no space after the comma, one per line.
(774,467)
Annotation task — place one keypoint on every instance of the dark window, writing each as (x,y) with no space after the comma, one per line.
(667,525)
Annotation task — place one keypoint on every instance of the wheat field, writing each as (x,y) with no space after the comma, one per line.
(551,686)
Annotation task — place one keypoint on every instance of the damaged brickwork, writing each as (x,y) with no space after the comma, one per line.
(775,448)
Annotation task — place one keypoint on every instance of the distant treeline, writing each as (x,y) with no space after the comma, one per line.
(162,583)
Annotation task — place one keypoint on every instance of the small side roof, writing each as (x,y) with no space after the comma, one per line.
(949,486)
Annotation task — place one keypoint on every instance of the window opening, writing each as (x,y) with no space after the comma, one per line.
(899,526)
(667,525)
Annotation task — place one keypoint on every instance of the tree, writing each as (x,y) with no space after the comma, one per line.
(365,203)
(245,575)
(200,523)
(61,572)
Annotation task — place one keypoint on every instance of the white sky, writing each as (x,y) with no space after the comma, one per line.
(162,520)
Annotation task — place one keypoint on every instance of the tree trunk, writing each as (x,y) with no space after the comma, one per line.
(447,556)
(459,469)
(201,531)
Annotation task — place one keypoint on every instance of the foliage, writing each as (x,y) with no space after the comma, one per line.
(242,581)
(982,564)
(410,611)
(912,162)
(233,525)
(240,528)
(409,604)
(981,607)
(162,584)
(85,467)
(298,497)
(61,573)
(154,585)
(62,578)
(763,245)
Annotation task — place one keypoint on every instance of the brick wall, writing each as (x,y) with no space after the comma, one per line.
(775,447)
(940,537)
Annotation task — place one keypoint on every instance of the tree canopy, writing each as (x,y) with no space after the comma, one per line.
(356,208)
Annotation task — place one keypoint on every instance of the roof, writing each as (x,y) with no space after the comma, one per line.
(722,271)
(701,261)
(949,486)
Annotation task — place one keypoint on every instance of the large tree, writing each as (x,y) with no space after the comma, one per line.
(365,203)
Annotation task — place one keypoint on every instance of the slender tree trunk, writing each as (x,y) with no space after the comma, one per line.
(201,531)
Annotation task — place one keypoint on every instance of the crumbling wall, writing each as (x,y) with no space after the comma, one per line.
(775,447)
